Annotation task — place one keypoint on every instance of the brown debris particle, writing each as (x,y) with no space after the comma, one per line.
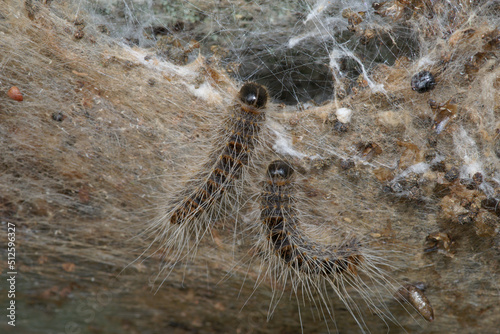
(443,114)
(15,94)
(368,150)
(439,241)
(69,267)
(418,300)
(79,34)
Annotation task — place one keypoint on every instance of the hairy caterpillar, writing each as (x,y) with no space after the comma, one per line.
(199,203)
(243,126)
(279,216)
(312,267)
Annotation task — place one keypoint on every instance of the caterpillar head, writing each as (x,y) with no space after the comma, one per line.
(279,170)
(254,95)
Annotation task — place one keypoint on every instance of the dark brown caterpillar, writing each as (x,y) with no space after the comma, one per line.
(212,190)
(242,128)
(348,268)
(279,215)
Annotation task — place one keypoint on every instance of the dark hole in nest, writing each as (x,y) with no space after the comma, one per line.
(291,75)
(303,74)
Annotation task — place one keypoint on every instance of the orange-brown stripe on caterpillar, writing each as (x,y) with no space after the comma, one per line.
(241,131)
(279,215)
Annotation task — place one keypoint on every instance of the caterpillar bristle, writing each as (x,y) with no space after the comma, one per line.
(284,233)
(291,257)
(210,191)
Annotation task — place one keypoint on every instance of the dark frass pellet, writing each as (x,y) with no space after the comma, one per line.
(491,204)
(346,164)
(423,82)
(477,178)
(452,174)
(340,127)
(58,116)
(468,183)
